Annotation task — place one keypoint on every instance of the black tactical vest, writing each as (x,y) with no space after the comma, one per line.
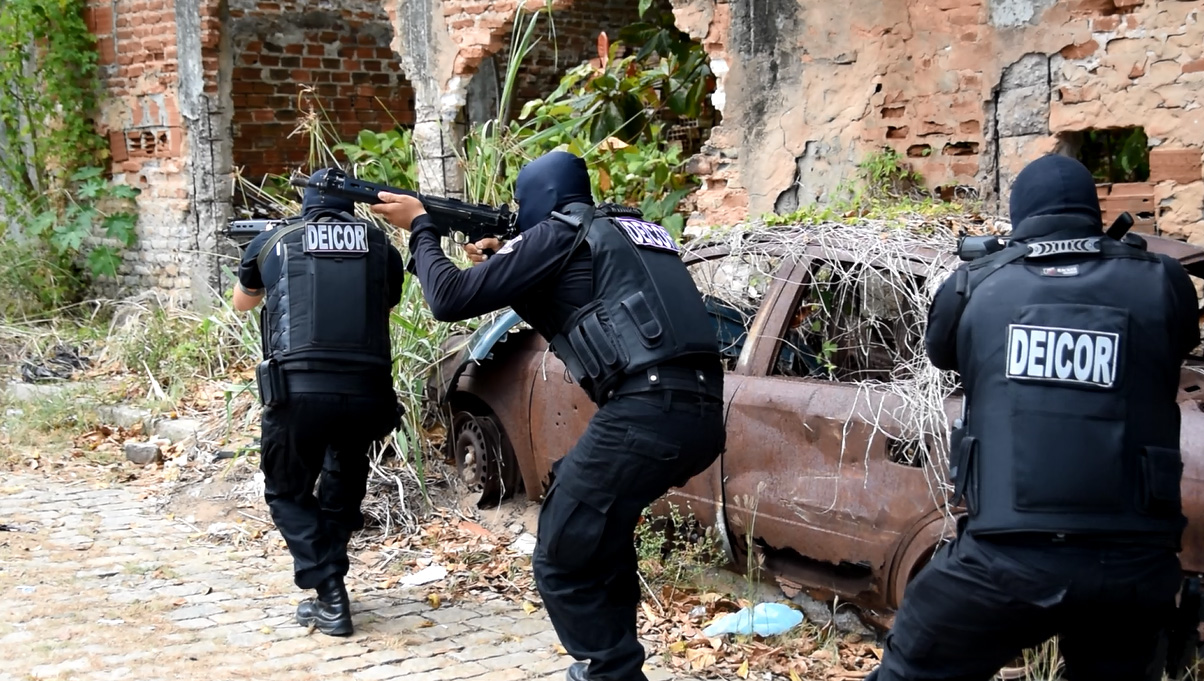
(1071,376)
(647,311)
(328,310)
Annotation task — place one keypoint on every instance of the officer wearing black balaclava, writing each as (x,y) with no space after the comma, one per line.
(325,383)
(610,293)
(1069,345)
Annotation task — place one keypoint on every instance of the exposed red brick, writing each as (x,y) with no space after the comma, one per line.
(1181,165)
(1194,66)
(1080,51)
(117,146)
(964,170)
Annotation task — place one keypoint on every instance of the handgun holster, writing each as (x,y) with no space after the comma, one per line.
(270,378)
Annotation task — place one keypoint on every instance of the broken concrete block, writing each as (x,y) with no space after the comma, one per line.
(1031,70)
(177,430)
(124,416)
(1023,111)
(29,392)
(142,453)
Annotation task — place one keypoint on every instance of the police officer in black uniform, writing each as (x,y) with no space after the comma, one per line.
(326,382)
(1069,346)
(610,293)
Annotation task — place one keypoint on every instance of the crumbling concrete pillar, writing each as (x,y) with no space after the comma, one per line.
(204,69)
(428,56)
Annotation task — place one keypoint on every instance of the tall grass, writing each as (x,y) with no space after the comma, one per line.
(494,151)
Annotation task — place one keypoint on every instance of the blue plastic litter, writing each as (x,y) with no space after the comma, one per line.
(765,619)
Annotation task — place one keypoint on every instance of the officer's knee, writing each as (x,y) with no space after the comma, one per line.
(573,529)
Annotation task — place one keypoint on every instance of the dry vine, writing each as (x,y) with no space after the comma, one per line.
(860,320)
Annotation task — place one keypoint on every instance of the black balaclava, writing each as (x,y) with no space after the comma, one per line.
(550,183)
(313,199)
(1054,185)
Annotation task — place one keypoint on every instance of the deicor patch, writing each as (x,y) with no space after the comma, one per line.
(648,235)
(336,237)
(1041,353)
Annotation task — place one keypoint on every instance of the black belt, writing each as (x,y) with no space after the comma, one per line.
(676,378)
(1088,540)
(337,384)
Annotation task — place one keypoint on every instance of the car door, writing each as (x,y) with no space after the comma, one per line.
(735,289)
(822,480)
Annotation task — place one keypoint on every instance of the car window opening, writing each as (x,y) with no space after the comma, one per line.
(911,453)
(733,288)
(853,323)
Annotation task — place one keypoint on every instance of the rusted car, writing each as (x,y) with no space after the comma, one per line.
(818,475)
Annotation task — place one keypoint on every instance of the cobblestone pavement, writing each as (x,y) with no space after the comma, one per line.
(96,584)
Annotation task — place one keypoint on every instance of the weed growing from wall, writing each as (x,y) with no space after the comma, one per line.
(66,221)
(884,188)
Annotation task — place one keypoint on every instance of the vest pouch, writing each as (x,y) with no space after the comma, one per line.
(1161,473)
(963,470)
(590,348)
(1068,463)
(640,314)
(339,315)
(584,354)
(269,378)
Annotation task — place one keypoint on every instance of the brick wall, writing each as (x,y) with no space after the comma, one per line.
(968,91)
(343,54)
(141,117)
(483,28)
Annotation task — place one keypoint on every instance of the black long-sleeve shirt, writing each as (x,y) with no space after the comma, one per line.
(521,275)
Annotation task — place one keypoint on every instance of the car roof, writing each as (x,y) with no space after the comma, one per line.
(1189,255)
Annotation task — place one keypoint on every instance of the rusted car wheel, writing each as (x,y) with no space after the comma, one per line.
(917,549)
(483,456)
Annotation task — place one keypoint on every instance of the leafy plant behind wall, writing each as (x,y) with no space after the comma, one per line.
(53,192)
(614,115)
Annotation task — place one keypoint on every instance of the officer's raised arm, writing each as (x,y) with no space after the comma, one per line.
(940,338)
(394,277)
(1187,305)
(249,290)
(454,294)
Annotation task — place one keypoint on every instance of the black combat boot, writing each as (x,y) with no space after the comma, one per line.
(578,671)
(330,612)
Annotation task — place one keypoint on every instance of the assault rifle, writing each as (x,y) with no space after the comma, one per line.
(241,232)
(450,216)
(974,247)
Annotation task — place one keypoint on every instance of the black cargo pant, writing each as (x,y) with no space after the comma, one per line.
(635,448)
(981,602)
(320,438)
